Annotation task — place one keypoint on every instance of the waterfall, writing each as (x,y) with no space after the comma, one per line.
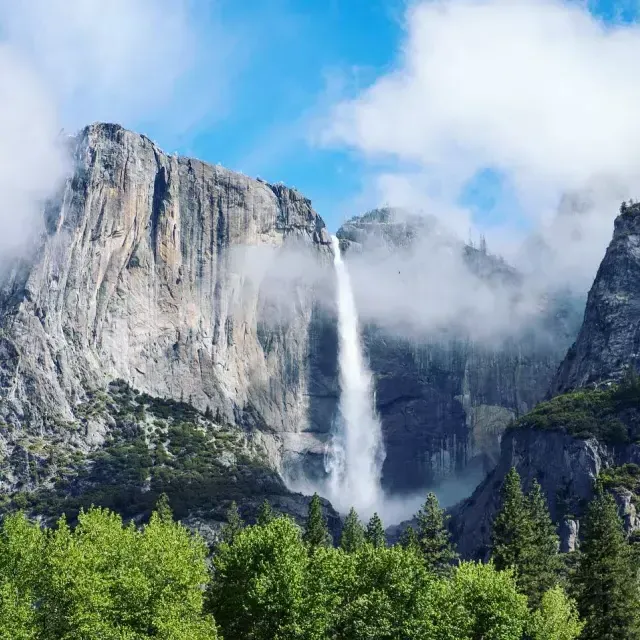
(356,453)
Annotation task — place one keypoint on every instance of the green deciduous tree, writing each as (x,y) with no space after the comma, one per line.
(352,537)
(258,583)
(556,618)
(375,534)
(477,602)
(103,580)
(316,533)
(434,538)
(606,580)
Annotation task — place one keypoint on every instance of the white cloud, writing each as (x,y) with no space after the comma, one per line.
(72,62)
(538,89)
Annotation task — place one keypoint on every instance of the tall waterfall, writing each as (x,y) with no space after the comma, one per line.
(356,454)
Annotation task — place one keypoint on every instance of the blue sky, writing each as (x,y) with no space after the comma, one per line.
(290,60)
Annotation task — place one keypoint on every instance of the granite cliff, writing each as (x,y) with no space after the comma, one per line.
(609,339)
(190,283)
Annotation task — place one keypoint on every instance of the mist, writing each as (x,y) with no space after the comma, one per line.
(67,63)
(542,95)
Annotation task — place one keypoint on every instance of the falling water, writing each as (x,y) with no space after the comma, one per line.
(355,457)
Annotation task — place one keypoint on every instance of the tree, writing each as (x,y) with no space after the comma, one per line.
(258,583)
(233,526)
(316,533)
(606,581)
(433,536)
(265,515)
(22,546)
(512,527)
(476,602)
(541,568)
(409,540)
(104,580)
(375,532)
(380,595)
(352,537)
(556,618)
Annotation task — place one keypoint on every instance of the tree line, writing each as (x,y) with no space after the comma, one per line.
(274,580)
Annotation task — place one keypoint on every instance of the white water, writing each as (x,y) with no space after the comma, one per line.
(354,460)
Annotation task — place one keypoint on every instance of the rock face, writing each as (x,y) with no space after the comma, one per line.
(176,276)
(609,338)
(445,398)
(566,468)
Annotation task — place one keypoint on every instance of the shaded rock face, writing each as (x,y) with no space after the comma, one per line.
(609,339)
(565,467)
(445,398)
(186,280)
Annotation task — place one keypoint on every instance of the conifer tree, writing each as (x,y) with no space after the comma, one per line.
(433,536)
(541,569)
(512,527)
(233,526)
(265,515)
(352,537)
(606,580)
(409,540)
(316,533)
(375,532)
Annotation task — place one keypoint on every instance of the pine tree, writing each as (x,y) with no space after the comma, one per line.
(606,581)
(433,536)
(375,532)
(208,414)
(352,537)
(316,533)
(233,526)
(265,515)
(541,568)
(512,527)
(409,540)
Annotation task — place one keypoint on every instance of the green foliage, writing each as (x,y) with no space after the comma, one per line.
(352,537)
(102,580)
(409,540)
(265,514)
(626,476)
(610,415)
(543,564)
(478,602)
(375,534)
(257,586)
(233,525)
(556,619)
(524,539)
(316,533)
(606,578)
(512,526)
(433,536)
(168,448)
(380,595)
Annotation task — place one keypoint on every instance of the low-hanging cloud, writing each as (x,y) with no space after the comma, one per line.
(66,63)
(540,91)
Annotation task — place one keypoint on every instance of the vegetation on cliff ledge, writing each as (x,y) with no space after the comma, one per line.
(154,446)
(610,414)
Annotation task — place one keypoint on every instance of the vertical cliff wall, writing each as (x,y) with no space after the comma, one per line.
(186,280)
